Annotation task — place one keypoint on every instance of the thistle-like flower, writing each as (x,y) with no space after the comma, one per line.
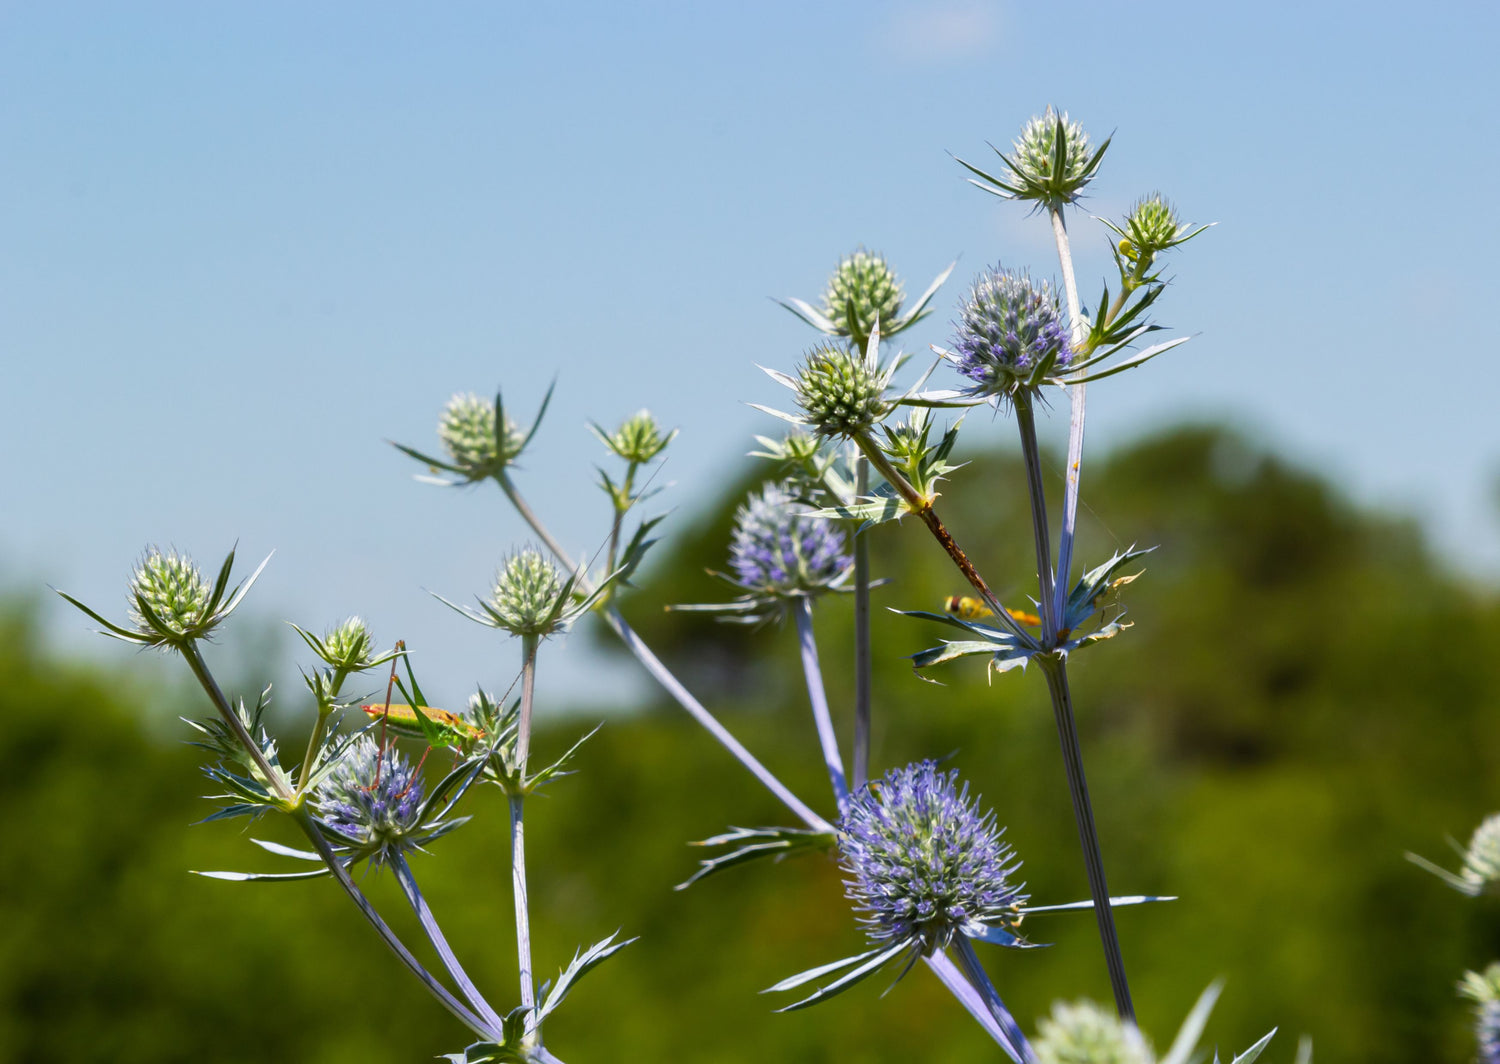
(170,604)
(864,297)
(638,439)
(371,801)
(479,438)
(1151,227)
(1012,335)
(1083,1033)
(1480,871)
(923,863)
(530,598)
(1483,989)
(778,554)
(842,392)
(347,648)
(1049,165)
(863,293)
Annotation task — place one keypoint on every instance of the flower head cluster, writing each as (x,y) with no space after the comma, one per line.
(1151,227)
(479,442)
(638,439)
(1083,1033)
(1483,989)
(842,391)
(528,596)
(863,293)
(1480,871)
(1012,334)
(1050,163)
(168,592)
(370,800)
(923,863)
(778,549)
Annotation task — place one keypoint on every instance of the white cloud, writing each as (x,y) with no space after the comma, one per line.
(941,30)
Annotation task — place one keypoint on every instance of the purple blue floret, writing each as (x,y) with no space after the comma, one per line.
(778,548)
(365,810)
(1009,327)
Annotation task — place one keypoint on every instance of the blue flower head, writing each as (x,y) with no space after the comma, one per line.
(371,802)
(1483,989)
(1012,334)
(779,550)
(923,862)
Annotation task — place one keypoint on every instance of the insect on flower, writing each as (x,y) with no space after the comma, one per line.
(968,608)
(402,719)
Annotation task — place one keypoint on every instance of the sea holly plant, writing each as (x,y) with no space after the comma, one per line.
(357,798)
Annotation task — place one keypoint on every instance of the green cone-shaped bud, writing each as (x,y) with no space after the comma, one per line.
(526,598)
(1084,1033)
(1035,159)
(469,435)
(169,600)
(638,439)
(349,646)
(841,392)
(862,292)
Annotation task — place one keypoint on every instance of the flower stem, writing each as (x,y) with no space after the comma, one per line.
(1077,394)
(518,832)
(923,509)
(1026,422)
(435,935)
(662,675)
(1015,1041)
(275,779)
(862,662)
(1056,672)
(819,699)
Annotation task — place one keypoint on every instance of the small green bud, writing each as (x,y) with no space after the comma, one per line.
(349,646)
(841,392)
(527,599)
(1036,157)
(169,600)
(1084,1033)
(638,439)
(1151,227)
(862,293)
(470,435)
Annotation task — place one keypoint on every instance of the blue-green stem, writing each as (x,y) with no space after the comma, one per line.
(662,675)
(518,832)
(1056,672)
(1031,457)
(314,834)
(818,697)
(408,882)
(1014,1041)
(863,674)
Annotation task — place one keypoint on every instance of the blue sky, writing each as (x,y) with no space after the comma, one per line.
(241,245)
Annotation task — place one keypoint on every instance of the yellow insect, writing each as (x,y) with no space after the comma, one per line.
(966,608)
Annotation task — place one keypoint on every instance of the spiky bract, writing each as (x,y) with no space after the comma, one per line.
(638,439)
(923,862)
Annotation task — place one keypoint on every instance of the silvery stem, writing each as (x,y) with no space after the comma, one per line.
(819,699)
(1026,422)
(523,916)
(862,665)
(1056,673)
(662,675)
(1076,396)
(435,935)
(275,780)
(1014,1041)
(518,827)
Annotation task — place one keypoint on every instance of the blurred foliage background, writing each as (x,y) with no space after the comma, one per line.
(1306,694)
